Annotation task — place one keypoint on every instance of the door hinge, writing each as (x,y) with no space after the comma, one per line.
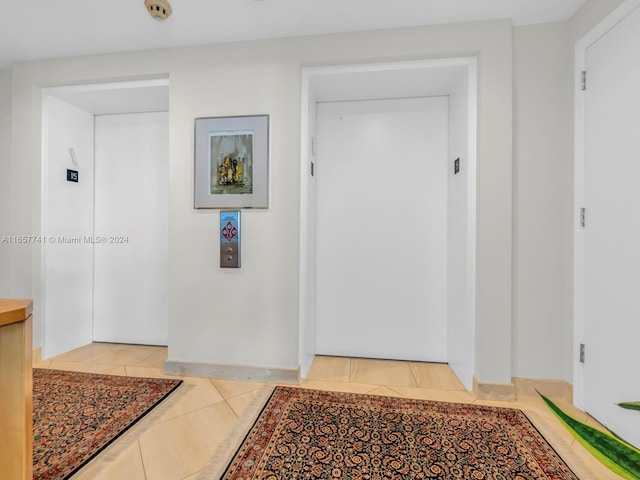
(583,80)
(583,217)
(582,353)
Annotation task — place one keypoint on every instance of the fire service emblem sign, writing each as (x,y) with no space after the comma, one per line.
(230,239)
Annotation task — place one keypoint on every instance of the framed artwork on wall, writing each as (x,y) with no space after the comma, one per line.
(231,162)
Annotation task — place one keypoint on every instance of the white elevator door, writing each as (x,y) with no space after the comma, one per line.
(130,302)
(612,232)
(382,229)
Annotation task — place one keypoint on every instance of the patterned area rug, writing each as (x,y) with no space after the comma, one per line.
(77,415)
(324,435)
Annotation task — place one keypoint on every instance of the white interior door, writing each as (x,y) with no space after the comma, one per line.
(131,225)
(612,232)
(382,229)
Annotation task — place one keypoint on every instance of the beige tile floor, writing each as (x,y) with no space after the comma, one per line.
(178,441)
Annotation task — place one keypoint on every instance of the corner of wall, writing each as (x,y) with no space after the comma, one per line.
(589,15)
(5,179)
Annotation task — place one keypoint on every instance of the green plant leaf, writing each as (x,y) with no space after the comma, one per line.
(630,405)
(618,456)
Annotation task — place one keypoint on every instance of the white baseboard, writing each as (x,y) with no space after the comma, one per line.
(519,387)
(549,388)
(502,392)
(232,372)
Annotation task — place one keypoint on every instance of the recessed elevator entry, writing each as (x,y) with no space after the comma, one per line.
(385,273)
(105,261)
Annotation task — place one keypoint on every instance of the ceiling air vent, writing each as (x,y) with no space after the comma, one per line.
(158,9)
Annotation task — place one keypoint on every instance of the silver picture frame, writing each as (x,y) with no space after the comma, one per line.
(231,162)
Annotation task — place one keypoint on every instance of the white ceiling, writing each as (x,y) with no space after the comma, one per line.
(40,29)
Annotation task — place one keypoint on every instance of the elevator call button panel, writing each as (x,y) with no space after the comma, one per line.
(230,239)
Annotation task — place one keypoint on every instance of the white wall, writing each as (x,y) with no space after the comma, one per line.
(5,179)
(543,202)
(246,316)
(68,219)
(589,16)
(461,333)
(308,218)
(256,324)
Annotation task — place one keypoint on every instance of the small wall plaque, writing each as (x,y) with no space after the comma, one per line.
(72,176)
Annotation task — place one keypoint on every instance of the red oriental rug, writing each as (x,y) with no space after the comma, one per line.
(309,434)
(77,415)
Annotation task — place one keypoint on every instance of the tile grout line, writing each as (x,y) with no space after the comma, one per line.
(231,408)
(146,358)
(390,387)
(225,400)
(413,374)
(144,470)
(190,412)
(231,397)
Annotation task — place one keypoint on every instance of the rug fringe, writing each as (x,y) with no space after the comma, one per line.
(132,435)
(217,464)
